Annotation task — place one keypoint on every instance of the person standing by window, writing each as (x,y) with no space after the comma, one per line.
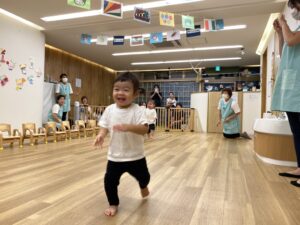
(156,96)
(286,91)
(65,88)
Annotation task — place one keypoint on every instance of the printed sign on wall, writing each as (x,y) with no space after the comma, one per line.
(86,4)
(112,8)
(142,15)
(166,19)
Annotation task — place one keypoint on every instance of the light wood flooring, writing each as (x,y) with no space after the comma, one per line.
(197,179)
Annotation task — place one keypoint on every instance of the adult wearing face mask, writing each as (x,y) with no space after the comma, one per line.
(229,112)
(286,96)
(64,88)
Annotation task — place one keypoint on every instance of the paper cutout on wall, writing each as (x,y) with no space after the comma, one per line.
(194,32)
(31,63)
(86,39)
(2,60)
(142,15)
(78,83)
(11,65)
(188,22)
(102,40)
(20,83)
(112,8)
(3,80)
(156,38)
(173,35)
(136,40)
(219,24)
(118,40)
(38,73)
(86,4)
(30,79)
(209,24)
(167,19)
(23,68)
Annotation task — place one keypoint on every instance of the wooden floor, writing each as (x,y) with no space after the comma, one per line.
(197,179)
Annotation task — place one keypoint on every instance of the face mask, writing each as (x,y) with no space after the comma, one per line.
(296,14)
(65,80)
(225,96)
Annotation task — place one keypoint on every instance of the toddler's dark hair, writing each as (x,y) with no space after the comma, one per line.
(292,3)
(59,97)
(131,78)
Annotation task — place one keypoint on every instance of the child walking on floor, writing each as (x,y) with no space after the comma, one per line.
(151,118)
(126,122)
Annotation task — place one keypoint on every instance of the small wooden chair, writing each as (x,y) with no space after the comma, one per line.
(93,124)
(65,126)
(83,129)
(52,131)
(6,128)
(30,132)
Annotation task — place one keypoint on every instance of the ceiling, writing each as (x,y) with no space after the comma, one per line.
(66,34)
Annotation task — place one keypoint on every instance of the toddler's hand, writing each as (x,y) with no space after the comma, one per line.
(99,141)
(120,128)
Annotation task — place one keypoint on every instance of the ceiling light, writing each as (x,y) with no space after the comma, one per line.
(269,30)
(126,8)
(178,50)
(185,61)
(20,19)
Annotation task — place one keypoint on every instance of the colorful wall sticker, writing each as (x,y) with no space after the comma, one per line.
(20,83)
(112,8)
(3,80)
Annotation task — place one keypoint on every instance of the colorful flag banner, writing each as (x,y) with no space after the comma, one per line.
(102,40)
(188,22)
(86,39)
(173,35)
(86,4)
(193,32)
(136,40)
(112,8)
(142,15)
(167,19)
(209,24)
(156,38)
(118,40)
(219,24)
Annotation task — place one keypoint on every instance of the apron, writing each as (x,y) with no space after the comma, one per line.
(64,89)
(233,126)
(286,95)
(60,114)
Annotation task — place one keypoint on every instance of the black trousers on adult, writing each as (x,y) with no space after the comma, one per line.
(64,116)
(294,120)
(138,169)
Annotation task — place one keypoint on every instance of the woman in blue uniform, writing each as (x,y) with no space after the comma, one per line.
(229,113)
(65,88)
(286,96)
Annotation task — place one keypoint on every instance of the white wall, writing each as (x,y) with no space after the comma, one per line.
(23,44)
(251,110)
(199,101)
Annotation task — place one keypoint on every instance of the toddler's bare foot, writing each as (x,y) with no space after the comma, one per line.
(145,192)
(111,210)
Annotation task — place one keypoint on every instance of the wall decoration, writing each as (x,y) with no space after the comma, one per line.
(30,79)
(219,24)
(11,65)
(31,63)
(118,40)
(188,22)
(156,38)
(193,32)
(20,83)
(85,4)
(209,24)
(23,68)
(102,40)
(78,82)
(112,8)
(86,39)
(142,15)
(38,73)
(173,35)
(3,80)
(167,19)
(136,40)
(3,51)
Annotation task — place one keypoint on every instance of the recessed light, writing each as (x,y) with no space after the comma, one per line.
(178,50)
(185,61)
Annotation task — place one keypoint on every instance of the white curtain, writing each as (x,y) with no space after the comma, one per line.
(48,99)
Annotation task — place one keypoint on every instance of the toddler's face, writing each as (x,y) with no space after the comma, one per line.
(150,105)
(123,94)
(61,101)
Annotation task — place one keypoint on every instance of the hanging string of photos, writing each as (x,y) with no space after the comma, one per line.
(115,9)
